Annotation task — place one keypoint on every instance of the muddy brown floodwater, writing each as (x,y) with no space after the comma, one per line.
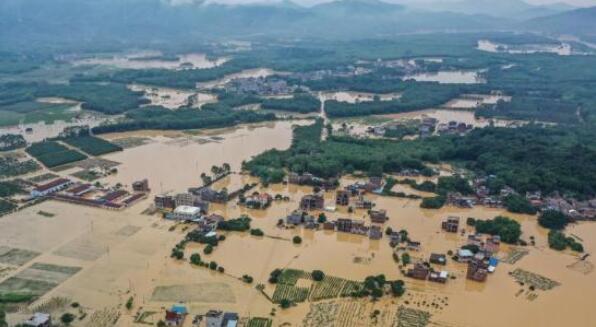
(126,253)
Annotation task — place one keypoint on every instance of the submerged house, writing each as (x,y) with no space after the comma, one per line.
(176,315)
(378,216)
(312,202)
(342,198)
(451,224)
(420,271)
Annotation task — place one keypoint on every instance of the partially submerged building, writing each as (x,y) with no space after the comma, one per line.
(185,213)
(451,224)
(51,187)
(312,202)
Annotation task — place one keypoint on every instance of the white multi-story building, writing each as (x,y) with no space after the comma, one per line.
(185,213)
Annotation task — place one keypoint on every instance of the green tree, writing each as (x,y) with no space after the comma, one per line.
(195,259)
(553,219)
(322,218)
(129,303)
(405,258)
(67,318)
(317,275)
(398,288)
(297,239)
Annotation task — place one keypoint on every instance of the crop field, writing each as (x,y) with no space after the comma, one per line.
(290,292)
(53,154)
(407,317)
(37,280)
(330,287)
(291,276)
(93,145)
(10,166)
(353,313)
(535,280)
(260,322)
(16,257)
(321,315)
(201,292)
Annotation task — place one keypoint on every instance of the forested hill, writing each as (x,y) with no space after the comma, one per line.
(137,22)
(580,22)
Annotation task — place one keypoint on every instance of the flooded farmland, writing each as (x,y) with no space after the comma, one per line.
(448,77)
(153,60)
(563,49)
(123,254)
(173,98)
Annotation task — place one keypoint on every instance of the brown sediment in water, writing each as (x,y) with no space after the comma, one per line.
(126,253)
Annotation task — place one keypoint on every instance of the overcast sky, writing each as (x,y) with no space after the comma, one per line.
(579,3)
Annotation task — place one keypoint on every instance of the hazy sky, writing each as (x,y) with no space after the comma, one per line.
(579,3)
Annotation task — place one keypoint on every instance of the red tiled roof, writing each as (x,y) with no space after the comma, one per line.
(52,184)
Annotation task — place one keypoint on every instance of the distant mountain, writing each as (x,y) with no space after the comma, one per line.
(52,23)
(509,9)
(579,22)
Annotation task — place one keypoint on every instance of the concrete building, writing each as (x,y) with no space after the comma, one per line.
(451,224)
(477,270)
(312,202)
(164,202)
(141,186)
(342,198)
(378,216)
(214,318)
(185,213)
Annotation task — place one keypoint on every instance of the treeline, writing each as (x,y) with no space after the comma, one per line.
(300,103)
(165,119)
(528,158)
(533,108)
(416,96)
(171,78)
(108,98)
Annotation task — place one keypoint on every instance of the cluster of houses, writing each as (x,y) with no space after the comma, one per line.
(66,190)
(425,127)
(340,71)
(424,271)
(256,200)
(477,252)
(578,210)
(264,86)
(345,225)
(454,127)
(177,314)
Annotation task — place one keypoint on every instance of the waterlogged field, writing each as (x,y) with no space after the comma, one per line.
(101,258)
